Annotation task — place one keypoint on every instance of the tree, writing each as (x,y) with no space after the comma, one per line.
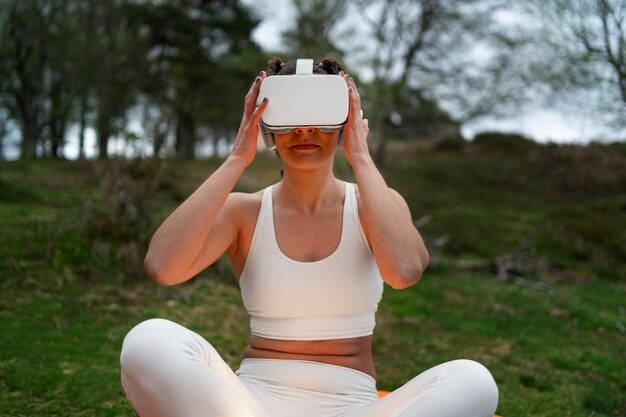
(120,65)
(62,75)
(24,56)
(62,55)
(315,29)
(582,46)
(87,57)
(198,64)
(429,51)
(4,130)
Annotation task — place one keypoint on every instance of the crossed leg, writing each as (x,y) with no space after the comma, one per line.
(460,388)
(170,371)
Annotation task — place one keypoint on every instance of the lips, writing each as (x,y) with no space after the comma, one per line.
(305,146)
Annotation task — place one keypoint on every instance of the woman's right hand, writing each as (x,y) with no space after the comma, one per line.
(245,143)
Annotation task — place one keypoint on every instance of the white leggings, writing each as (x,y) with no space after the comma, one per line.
(170,371)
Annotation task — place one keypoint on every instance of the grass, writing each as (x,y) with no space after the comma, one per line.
(71,285)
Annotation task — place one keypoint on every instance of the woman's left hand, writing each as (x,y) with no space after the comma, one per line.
(356,128)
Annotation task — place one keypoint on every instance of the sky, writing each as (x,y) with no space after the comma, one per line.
(541,124)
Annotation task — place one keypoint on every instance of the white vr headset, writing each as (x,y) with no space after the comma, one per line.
(302,100)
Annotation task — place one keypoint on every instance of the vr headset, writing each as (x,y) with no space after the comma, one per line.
(302,100)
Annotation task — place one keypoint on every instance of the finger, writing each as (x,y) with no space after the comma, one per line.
(258,113)
(253,94)
(345,78)
(355,104)
(249,126)
(257,81)
(350,91)
(355,89)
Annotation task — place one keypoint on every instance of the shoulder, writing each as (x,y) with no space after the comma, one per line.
(397,196)
(242,211)
(245,199)
(244,204)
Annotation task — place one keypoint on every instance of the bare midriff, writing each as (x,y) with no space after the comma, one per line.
(355,353)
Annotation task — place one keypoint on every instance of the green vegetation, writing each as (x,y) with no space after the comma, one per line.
(71,285)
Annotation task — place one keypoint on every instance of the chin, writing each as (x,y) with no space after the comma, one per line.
(306,161)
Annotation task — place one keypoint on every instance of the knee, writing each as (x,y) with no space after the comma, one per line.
(477,379)
(146,333)
(143,344)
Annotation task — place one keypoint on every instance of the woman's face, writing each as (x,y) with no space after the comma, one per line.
(306,147)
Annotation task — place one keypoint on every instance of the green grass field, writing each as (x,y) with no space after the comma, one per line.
(74,235)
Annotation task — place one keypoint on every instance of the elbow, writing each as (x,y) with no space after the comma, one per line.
(404,276)
(156,272)
(405,281)
(400,284)
(407,277)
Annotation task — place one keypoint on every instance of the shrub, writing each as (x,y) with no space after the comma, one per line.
(502,142)
(126,209)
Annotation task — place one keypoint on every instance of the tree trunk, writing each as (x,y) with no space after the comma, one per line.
(103,133)
(30,136)
(28,115)
(381,105)
(82,126)
(159,136)
(157,143)
(57,136)
(185,136)
(381,149)
(3,133)
(622,86)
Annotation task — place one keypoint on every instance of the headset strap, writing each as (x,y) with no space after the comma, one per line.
(304,66)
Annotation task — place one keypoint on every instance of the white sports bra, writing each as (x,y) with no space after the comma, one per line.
(333,298)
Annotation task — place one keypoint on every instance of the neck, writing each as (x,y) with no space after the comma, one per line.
(308,190)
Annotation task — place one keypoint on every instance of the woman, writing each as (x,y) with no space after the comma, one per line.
(311,253)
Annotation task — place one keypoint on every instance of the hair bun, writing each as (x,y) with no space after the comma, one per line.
(274,65)
(330,65)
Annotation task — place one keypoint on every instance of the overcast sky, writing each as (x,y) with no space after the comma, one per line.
(543,125)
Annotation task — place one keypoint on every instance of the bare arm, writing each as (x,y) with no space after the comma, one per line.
(204,226)
(397,245)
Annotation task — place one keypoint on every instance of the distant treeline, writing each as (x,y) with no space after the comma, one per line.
(179,69)
(182,68)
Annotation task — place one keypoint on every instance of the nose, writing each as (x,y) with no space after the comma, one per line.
(304,130)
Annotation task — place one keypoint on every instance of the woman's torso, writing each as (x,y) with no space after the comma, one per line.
(302,237)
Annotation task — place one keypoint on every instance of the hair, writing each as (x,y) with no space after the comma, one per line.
(328,65)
